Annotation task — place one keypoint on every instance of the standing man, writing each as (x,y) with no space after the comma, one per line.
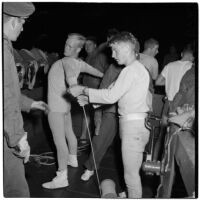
(15,138)
(147,57)
(173,72)
(98,60)
(106,125)
(64,73)
(131,92)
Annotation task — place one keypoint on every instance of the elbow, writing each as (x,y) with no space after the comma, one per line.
(159,82)
(101,74)
(112,100)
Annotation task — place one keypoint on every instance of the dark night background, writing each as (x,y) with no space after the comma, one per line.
(167,22)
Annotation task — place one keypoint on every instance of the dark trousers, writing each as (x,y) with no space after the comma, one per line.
(14,181)
(101,142)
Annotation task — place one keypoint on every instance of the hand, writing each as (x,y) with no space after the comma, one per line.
(164,120)
(24,148)
(184,119)
(83,100)
(76,90)
(184,108)
(40,105)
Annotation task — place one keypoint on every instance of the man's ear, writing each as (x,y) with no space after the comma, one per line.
(13,22)
(181,55)
(78,50)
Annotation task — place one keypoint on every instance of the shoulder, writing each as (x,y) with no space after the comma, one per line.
(154,60)
(148,60)
(68,60)
(173,65)
(57,63)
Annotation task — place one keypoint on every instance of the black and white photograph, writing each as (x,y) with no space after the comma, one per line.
(99,99)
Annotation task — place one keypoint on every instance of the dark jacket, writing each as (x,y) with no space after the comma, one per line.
(14,102)
(186,93)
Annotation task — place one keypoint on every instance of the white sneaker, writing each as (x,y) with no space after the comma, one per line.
(87,174)
(72,160)
(123,195)
(58,182)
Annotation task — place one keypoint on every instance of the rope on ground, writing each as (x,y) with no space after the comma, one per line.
(45,158)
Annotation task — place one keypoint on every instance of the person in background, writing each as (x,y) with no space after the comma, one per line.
(173,72)
(171,77)
(131,92)
(98,60)
(64,73)
(183,104)
(147,57)
(171,56)
(15,138)
(106,125)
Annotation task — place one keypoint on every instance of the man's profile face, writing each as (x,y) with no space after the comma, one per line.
(17,26)
(190,57)
(71,47)
(120,50)
(155,50)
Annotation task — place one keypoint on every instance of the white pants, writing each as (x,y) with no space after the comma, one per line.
(134,136)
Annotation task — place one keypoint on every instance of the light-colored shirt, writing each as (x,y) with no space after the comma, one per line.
(58,78)
(151,64)
(130,90)
(173,73)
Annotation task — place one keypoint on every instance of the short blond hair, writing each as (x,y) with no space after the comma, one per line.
(80,38)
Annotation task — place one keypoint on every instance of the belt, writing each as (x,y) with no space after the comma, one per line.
(133,116)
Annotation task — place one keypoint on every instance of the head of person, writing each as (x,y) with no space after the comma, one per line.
(90,44)
(125,48)
(14,17)
(187,55)
(111,32)
(172,49)
(74,44)
(151,46)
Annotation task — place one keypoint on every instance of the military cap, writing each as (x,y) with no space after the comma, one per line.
(18,9)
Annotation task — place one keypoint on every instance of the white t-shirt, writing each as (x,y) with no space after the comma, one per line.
(130,90)
(173,73)
(151,64)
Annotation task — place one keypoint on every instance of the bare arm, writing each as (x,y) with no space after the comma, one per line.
(155,71)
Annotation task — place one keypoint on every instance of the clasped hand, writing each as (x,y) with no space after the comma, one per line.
(24,148)
(40,105)
(184,117)
(76,90)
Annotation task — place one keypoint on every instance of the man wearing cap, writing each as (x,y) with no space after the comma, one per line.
(15,138)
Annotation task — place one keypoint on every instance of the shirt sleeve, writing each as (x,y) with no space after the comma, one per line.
(85,68)
(112,95)
(25,103)
(13,122)
(164,71)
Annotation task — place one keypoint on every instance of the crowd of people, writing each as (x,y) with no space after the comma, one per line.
(115,83)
